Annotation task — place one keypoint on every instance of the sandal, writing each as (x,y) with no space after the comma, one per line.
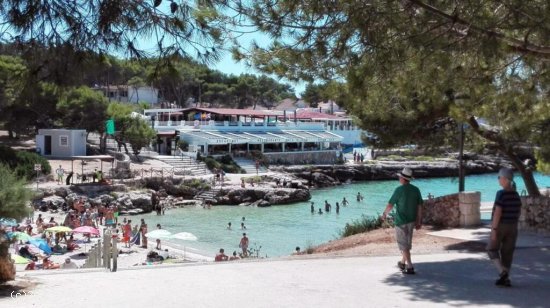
(401,265)
(408,271)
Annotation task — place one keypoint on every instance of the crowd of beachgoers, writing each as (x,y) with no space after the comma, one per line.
(61,239)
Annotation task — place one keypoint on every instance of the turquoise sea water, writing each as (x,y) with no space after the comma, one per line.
(279,229)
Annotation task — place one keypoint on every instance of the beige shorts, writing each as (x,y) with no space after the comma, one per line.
(403,235)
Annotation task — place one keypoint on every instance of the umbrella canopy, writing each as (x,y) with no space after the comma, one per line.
(86,229)
(9,222)
(159,233)
(59,229)
(186,236)
(22,236)
(19,259)
(41,244)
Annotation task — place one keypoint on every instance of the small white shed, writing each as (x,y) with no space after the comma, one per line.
(61,142)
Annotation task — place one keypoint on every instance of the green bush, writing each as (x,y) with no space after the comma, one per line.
(197,184)
(364,224)
(226,160)
(259,156)
(226,163)
(22,162)
(183,145)
(211,163)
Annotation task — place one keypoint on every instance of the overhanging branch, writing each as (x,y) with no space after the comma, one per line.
(521,45)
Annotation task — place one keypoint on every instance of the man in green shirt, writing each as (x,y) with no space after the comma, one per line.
(408,214)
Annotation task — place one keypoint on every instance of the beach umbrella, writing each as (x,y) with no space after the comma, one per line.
(59,229)
(186,236)
(22,236)
(41,244)
(86,229)
(19,259)
(159,233)
(8,222)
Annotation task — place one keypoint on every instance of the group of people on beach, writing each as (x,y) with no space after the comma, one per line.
(96,175)
(40,243)
(243,245)
(358,157)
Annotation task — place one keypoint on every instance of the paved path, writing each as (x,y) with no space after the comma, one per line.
(482,233)
(453,279)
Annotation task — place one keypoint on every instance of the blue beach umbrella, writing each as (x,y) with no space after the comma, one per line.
(22,236)
(9,222)
(41,244)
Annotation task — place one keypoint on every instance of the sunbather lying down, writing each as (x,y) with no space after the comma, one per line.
(48,264)
(154,256)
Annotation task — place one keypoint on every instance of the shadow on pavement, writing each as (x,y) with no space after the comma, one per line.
(471,281)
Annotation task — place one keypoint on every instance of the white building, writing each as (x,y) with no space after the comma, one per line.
(61,142)
(129,94)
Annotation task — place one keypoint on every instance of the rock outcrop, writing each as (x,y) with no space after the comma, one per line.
(331,175)
(262,196)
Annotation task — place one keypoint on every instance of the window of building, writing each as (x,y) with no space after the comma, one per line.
(64,141)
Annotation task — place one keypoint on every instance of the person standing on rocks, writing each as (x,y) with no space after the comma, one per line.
(504,226)
(408,204)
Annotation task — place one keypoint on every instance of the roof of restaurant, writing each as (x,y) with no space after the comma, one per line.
(231,111)
(306,114)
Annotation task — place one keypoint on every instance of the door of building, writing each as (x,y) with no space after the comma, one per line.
(47,145)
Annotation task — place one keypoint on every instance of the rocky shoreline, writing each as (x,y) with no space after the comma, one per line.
(333,175)
(134,196)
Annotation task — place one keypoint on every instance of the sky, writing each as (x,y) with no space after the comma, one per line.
(229,66)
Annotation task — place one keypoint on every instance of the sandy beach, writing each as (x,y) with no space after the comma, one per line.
(127,258)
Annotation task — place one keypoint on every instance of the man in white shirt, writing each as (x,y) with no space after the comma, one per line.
(60,173)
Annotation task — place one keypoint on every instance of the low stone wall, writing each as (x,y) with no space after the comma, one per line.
(535,214)
(302,158)
(456,210)
(442,211)
(469,203)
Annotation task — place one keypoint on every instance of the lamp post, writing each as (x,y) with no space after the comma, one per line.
(461,159)
(459,99)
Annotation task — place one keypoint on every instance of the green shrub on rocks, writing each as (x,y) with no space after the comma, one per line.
(225,163)
(364,224)
(22,162)
(197,184)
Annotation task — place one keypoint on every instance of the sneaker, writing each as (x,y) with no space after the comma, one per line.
(503,280)
(401,265)
(408,271)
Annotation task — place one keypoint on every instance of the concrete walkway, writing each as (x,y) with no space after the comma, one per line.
(442,280)
(482,233)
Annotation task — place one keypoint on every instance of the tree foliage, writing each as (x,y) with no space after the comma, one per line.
(139,134)
(104,26)
(14,197)
(83,108)
(415,69)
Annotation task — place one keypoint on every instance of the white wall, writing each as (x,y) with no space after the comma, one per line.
(144,94)
(76,142)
